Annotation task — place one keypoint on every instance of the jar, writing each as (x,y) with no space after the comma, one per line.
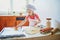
(21,14)
(48,23)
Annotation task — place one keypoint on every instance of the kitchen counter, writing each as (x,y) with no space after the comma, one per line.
(10,21)
(12,31)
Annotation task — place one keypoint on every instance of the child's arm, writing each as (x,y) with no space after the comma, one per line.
(38,19)
(22,23)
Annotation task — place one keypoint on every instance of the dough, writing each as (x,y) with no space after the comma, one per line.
(33,30)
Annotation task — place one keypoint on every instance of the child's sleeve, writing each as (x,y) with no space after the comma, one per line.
(26,17)
(37,17)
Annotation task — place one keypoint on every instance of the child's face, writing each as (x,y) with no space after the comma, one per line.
(30,12)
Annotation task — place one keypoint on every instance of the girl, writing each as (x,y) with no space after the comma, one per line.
(32,17)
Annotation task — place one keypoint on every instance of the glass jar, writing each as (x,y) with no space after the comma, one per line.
(48,23)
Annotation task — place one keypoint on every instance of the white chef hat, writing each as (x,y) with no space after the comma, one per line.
(31,7)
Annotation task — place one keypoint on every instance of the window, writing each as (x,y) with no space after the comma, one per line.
(19,5)
(14,5)
(4,5)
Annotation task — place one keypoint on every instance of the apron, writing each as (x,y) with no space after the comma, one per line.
(32,22)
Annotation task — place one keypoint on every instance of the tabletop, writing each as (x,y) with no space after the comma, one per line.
(12,31)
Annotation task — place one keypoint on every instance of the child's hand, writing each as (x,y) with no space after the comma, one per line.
(36,22)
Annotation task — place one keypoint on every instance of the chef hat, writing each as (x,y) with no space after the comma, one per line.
(31,7)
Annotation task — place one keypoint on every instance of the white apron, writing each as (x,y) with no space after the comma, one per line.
(32,22)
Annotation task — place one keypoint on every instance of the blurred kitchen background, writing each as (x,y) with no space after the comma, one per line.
(45,8)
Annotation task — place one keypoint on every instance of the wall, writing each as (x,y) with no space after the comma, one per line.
(49,8)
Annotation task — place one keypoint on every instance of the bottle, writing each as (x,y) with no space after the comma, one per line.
(48,23)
